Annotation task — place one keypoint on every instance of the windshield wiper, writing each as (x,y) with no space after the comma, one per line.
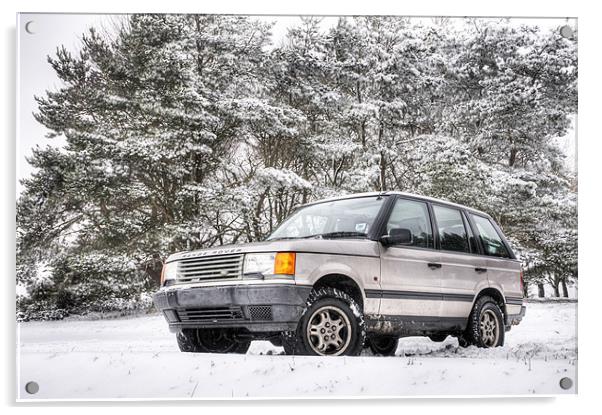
(342,234)
(328,235)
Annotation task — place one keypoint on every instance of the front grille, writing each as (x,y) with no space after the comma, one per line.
(260,312)
(210,314)
(209,268)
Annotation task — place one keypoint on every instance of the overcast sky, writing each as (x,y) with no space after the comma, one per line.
(49,31)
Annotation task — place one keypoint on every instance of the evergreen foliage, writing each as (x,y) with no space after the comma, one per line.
(188,131)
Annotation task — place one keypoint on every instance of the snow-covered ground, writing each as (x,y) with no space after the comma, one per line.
(138,358)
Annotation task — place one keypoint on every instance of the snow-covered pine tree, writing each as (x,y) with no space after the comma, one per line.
(147,116)
(511,91)
(186,131)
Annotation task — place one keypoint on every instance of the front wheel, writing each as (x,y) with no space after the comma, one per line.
(486,324)
(211,341)
(438,337)
(332,325)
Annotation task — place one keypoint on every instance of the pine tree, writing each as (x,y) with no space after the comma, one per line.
(187,131)
(148,116)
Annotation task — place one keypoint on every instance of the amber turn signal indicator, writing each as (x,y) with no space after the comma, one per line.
(284,263)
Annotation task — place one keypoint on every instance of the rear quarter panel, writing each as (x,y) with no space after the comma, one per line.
(504,275)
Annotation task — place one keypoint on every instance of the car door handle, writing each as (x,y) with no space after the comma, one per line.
(480,270)
(433,265)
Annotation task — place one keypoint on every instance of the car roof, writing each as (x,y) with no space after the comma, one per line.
(393,192)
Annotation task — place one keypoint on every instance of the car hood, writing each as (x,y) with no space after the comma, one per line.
(358,247)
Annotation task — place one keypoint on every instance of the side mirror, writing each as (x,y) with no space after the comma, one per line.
(398,236)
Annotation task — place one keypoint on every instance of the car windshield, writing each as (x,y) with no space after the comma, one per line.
(345,218)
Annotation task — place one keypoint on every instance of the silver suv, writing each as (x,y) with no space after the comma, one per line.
(342,274)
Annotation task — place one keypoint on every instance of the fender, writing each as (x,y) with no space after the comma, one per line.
(485,284)
(338,269)
(496,286)
(364,271)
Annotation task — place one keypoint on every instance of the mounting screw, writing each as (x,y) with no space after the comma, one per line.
(29,27)
(567,32)
(566,383)
(32,387)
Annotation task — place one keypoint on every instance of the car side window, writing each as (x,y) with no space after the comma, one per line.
(491,240)
(414,216)
(452,233)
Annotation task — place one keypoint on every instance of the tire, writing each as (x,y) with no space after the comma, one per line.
(463,341)
(331,325)
(486,324)
(438,337)
(383,345)
(211,341)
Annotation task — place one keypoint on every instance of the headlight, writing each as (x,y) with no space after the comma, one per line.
(269,265)
(169,272)
(262,264)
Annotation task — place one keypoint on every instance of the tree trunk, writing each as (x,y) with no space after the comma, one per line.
(565,290)
(556,291)
(363,134)
(512,158)
(153,268)
(383,172)
(541,292)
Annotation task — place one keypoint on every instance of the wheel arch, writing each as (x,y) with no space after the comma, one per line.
(344,283)
(496,295)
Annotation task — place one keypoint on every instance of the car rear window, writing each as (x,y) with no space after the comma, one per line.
(491,240)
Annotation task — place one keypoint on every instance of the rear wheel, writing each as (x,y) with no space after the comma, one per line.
(211,341)
(485,324)
(383,345)
(332,325)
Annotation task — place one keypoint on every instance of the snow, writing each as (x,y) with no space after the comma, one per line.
(138,358)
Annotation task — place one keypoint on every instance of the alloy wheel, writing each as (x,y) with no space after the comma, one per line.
(490,328)
(329,331)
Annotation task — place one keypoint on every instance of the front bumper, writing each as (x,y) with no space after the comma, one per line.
(257,308)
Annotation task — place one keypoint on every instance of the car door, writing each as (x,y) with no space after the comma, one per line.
(410,273)
(463,271)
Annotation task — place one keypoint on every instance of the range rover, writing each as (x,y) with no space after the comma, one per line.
(342,274)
